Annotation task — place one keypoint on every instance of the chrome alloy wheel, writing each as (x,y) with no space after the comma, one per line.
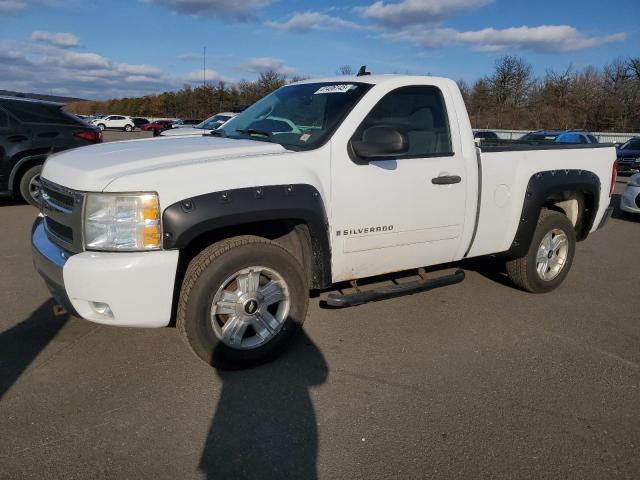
(552,254)
(35,186)
(250,308)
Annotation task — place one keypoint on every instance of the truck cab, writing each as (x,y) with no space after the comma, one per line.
(320,182)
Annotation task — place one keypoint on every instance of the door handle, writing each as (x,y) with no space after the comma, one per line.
(446,180)
(17,138)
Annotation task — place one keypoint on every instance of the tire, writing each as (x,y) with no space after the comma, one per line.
(102,126)
(128,128)
(30,185)
(532,275)
(224,267)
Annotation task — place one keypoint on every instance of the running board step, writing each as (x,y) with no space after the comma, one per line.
(358,298)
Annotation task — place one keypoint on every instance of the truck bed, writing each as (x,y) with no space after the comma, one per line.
(499,145)
(506,166)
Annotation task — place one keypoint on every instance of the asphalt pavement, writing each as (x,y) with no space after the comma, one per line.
(468,381)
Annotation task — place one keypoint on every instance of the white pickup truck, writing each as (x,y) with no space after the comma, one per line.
(322,181)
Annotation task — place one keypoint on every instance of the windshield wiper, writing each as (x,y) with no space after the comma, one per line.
(254,131)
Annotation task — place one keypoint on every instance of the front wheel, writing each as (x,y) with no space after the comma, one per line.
(102,126)
(30,185)
(242,302)
(550,255)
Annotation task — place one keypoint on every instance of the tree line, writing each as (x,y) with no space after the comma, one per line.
(511,97)
(595,99)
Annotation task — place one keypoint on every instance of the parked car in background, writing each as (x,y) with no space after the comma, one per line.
(630,200)
(157,126)
(560,136)
(209,125)
(115,122)
(485,134)
(541,135)
(30,130)
(139,122)
(629,156)
(576,137)
(188,122)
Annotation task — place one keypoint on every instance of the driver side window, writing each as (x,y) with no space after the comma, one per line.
(420,114)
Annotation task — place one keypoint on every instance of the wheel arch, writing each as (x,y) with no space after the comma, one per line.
(25,162)
(292,215)
(575,193)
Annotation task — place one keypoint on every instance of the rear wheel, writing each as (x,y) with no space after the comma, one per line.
(242,302)
(128,128)
(30,185)
(550,255)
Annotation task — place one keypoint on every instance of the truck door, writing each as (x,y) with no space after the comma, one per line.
(404,211)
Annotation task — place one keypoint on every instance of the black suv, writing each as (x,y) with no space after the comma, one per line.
(30,130)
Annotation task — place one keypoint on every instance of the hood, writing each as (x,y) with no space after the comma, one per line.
(183,131)
(93,167)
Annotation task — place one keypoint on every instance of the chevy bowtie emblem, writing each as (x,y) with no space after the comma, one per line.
(250,307)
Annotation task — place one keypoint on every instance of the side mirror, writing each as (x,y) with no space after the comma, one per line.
(381,142)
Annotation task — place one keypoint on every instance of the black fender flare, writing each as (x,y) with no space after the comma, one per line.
(184,221)
(543,185)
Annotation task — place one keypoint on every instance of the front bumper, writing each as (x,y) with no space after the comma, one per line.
(630,200)
(137,286)
(49,260)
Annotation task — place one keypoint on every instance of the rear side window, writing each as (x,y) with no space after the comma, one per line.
(418,112)
(33,112)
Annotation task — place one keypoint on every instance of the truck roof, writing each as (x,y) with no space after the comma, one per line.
(372,79)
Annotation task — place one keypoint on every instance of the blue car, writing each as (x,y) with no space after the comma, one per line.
(561,136)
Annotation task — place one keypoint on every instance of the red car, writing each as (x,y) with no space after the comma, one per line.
(157,126)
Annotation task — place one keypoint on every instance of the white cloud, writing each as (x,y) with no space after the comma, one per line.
(305,21)
(189,56)
(83,74)
(263,64)
(412,12)
(80,60)
(547,38)
(544,38)
(242,10)
(211,76)
(142,69)
(10,7)
(61,39)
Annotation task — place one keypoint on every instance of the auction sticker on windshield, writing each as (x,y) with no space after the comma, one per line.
(340,88)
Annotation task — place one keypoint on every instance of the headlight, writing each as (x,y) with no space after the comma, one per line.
(116,222)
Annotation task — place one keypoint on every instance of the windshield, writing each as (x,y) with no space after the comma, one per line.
(299,116)
(214,122)
(633,144)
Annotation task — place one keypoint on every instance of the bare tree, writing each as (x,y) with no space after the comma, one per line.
(345,70)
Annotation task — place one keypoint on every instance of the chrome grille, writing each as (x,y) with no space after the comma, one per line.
(627,161)
(62,209)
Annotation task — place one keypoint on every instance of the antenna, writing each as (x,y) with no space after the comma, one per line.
(363,71)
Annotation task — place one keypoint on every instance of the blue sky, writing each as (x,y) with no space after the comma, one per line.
(119,48)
